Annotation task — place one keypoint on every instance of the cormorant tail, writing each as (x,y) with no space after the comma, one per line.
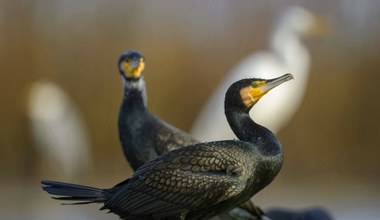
(74,192)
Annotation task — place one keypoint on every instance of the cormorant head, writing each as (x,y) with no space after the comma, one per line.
(244,93)
(131,65)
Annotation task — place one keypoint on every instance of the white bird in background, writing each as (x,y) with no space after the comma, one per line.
(287,54)
(58,129)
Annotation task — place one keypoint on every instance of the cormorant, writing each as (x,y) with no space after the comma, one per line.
(201,180)
(143,136)
(287,53)
(131,66)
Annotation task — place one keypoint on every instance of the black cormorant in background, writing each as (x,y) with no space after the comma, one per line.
(143,135)
(201,180)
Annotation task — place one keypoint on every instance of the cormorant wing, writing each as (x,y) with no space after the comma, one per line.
(169,138)
(185,179)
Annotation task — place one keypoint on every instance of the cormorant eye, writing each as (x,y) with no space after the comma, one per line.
(254,84)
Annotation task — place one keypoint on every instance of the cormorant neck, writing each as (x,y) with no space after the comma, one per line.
(132,107)
(135,89)
(247,130)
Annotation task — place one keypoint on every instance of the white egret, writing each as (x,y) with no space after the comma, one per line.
(58,129)
(287,54)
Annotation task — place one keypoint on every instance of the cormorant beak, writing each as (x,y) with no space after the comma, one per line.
(134,67)
(272,83)
(259,87)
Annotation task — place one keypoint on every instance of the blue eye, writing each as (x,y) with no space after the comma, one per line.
(254,84)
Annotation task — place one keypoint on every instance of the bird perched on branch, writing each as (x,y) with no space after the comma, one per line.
(287,54)
(201,180)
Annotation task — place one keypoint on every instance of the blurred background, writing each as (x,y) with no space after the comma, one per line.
(331,145)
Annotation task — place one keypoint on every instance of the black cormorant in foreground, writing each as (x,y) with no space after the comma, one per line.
(143,135)
(201,180)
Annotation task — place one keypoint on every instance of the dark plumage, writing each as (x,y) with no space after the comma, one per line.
(143,135)
(201,180)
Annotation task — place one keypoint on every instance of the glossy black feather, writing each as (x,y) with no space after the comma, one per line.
(169,186)
(74,192)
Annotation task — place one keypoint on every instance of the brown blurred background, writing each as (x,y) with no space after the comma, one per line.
(331,146)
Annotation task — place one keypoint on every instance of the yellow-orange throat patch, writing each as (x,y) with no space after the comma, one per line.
(135,72)
(251,94)
(246,97)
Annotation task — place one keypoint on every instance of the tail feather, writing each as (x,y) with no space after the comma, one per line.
(74,192)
